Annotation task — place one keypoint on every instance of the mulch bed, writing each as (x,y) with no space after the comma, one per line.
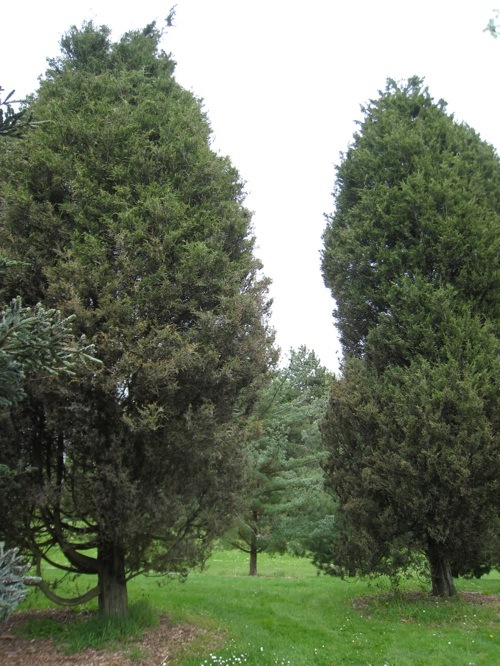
(157,645)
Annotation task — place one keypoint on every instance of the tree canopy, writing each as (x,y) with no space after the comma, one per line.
(30,338)
(411,257)
(129,221)
(416,197)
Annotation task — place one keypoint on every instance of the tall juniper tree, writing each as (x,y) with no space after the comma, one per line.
(128,219)
(411,257)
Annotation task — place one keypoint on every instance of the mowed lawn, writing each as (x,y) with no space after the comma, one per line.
(290,615)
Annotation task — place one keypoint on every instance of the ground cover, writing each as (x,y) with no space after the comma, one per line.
(289,615)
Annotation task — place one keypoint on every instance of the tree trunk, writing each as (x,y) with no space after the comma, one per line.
(254,527)
(253,556)
(113,598)
(442,580)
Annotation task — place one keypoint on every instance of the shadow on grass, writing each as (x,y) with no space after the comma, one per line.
(74,631)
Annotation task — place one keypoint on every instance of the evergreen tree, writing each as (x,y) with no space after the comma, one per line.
(411,257)
(283,496)
(12,122)
(130,221)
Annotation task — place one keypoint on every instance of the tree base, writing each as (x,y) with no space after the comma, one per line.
(441,577)
(113,598)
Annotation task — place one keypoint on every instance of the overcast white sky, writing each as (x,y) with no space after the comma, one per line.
(282,82)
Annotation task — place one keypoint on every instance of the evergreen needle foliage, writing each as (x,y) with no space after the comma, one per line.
(129,222)
(411,257)
(12,122)
(13,580)
(34,341)
(283,496)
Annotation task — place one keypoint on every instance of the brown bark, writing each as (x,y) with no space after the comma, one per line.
(113,598)
(254,544)
(441,577)
(253,556)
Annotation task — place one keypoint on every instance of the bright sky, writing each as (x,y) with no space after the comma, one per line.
(282,82)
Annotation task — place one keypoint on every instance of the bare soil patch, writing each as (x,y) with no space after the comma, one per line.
(157,645)
(362,603)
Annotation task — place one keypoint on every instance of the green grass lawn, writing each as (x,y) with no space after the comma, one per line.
(289,615)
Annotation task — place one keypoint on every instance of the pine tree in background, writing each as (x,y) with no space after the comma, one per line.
(411,257)
(127,219)
(283,497)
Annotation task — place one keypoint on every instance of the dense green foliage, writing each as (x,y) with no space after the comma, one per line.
(129,221)
(411,256)
(417,197)
(30,338)
(283,496)
(12,121)
(13,580)
(33,340)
